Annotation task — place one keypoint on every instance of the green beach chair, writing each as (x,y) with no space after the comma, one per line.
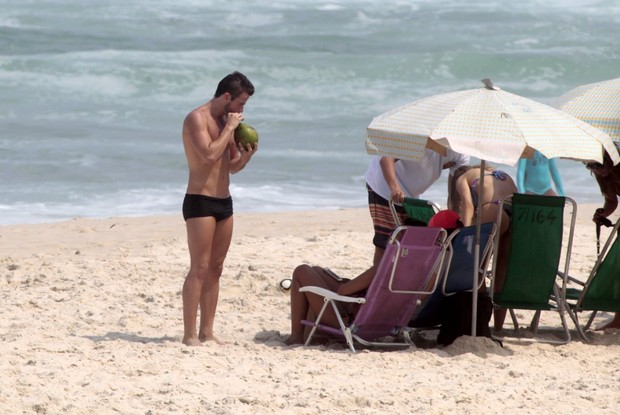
(533,281)
(417,211)
(601,291)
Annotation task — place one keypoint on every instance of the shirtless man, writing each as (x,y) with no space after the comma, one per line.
(212,155)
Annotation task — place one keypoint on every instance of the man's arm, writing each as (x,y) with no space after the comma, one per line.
(206,147)
(240,156)
(610,205)
(388,169)
(611,199)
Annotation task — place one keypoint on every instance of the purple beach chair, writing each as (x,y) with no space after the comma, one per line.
(409,268)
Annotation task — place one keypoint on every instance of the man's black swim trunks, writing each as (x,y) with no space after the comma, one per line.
(200,206)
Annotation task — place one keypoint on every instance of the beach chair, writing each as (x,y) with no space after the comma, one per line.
(533,280)
(601,290)
(417,211)
(409,268)
(459,275)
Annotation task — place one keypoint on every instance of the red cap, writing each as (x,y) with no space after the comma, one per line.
(447,219)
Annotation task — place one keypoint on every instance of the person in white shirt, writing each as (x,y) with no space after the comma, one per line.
(388,178)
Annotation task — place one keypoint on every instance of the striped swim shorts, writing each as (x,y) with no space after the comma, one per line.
(382,218)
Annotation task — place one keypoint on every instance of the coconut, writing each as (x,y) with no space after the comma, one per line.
(246,134)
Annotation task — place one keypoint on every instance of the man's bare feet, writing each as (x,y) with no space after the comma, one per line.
(191,341)
(210,338)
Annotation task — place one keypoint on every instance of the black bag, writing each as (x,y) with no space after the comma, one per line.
(456,317)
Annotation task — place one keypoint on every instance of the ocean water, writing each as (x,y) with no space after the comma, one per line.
(94,93)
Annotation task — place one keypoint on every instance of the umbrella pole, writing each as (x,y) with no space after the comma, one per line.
(474,292)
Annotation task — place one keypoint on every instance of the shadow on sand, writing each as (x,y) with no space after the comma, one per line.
(130,337)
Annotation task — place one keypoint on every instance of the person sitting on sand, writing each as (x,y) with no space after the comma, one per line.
(608,178)
(306,275)
(304,302)
(467,190)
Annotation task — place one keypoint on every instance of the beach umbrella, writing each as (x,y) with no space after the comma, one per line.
(598,104)
(487,123)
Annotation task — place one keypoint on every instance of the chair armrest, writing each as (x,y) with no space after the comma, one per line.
(332,295)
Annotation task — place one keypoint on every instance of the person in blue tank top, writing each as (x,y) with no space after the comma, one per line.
(534,176)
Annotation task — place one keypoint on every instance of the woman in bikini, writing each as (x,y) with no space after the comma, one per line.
(467,190)
(497,184)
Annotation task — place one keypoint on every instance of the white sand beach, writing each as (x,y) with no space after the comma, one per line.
(92,324)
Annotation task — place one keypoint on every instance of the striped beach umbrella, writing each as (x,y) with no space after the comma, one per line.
(487,123)
(597,104)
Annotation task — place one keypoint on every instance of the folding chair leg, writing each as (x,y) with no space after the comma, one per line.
(349,338)
(345,330)
(317,321)
(590,320)
(407,337)
(535,322)
(564,324)
(513,316)
(573,315)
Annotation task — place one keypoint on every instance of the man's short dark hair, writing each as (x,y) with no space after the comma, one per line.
(235,84)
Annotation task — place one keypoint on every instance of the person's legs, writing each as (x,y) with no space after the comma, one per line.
(211,285)
(550,192)
(499,314)
(200,232)
(489,214)
(301,303)
(383,221)
(383,224)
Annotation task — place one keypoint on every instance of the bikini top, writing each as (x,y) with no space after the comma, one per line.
(497,174)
